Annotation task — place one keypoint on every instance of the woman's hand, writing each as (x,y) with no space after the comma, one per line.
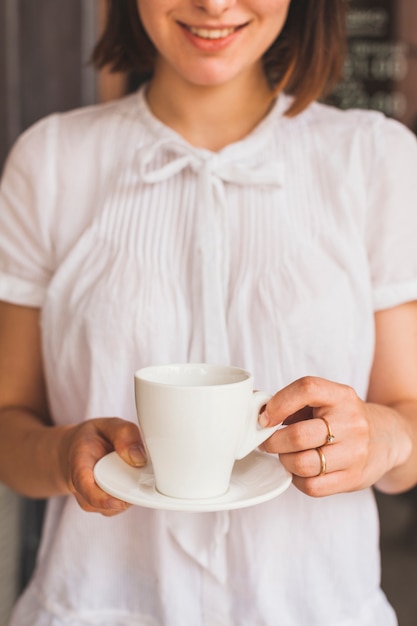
(375,442)
(334,442)
(83,445)
(37,458)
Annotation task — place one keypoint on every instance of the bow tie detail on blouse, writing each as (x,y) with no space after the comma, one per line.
(211,253)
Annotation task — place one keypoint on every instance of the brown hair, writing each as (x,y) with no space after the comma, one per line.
(306,59)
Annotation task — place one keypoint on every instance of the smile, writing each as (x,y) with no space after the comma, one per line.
(212,33)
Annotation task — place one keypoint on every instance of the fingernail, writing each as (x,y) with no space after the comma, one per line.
(264,419)
(137,455)
(116,505)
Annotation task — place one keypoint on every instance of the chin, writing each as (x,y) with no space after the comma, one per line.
(210,79)
(209,75)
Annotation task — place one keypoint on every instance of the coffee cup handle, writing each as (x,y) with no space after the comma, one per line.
(255,434)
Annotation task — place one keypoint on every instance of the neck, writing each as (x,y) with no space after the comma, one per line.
(210,117)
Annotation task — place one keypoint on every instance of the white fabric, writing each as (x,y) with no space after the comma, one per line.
(211,257)
(104,215)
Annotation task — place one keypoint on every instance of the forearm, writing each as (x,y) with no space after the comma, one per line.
(30,454)
(402,438)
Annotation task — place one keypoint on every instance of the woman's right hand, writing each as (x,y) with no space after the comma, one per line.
(82,445)
(37,458)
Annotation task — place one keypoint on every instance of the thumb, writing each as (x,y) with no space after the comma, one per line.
(126,440)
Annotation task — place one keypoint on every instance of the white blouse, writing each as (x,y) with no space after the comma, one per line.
(272,255)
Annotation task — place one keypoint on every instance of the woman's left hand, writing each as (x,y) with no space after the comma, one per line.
(334,442)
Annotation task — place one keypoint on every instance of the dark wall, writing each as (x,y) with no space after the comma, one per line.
(44,50)
(50,57)
(3,136)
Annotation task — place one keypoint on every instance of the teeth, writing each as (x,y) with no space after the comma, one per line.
(205,33)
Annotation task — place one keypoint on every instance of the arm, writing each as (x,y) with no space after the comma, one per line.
(393,384)
(37,458)
(375,441)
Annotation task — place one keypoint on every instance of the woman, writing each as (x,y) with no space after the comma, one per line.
(218,214)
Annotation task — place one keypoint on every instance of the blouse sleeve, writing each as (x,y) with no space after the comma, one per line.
(392,217)
(27,192)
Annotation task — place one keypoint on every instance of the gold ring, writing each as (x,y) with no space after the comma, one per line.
(323,464)
(330,437)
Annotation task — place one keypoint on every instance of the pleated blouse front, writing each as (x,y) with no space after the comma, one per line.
(273,255)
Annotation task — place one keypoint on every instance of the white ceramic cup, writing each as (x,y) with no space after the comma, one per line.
(196,420)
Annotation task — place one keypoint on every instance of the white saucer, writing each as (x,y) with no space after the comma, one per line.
(255,479)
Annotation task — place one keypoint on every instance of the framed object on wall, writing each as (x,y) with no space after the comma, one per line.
(381,66)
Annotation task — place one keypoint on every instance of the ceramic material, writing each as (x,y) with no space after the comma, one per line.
(196,420)
(256,478)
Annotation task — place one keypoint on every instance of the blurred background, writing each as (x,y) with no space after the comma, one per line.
(45,47)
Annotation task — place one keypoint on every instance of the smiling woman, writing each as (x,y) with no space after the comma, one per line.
(305,60)
(218,215)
